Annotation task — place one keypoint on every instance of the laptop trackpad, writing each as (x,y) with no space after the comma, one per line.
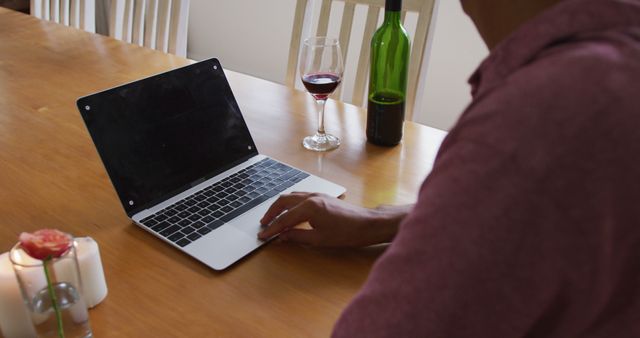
(222,247)
(249,222)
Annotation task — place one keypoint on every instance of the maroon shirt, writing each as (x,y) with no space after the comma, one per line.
(529,224)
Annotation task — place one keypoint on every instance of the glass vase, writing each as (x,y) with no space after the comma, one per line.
(57,308)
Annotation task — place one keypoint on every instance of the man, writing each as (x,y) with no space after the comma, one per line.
(528,225)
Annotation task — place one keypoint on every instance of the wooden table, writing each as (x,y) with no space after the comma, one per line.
(51,176)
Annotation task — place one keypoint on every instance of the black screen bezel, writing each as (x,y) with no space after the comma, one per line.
(120,190)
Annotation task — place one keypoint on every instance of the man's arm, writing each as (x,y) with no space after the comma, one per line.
(469,261)
(333,222)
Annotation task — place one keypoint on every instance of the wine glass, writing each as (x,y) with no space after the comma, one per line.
(321,71)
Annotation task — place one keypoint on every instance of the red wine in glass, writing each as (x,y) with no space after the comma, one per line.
(321,72)
(321,85)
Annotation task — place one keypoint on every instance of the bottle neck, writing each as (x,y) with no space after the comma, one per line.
(392,17)
(393,5)
(392,11)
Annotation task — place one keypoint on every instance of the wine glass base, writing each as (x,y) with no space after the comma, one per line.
(320,142)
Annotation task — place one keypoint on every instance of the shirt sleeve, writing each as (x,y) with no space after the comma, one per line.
(469,261)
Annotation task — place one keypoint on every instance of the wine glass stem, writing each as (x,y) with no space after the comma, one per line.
(321,103)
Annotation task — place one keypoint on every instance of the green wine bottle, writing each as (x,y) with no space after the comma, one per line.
(388,78)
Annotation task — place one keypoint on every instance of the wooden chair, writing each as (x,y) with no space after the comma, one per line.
(75,13)
(157,24)
(424,11)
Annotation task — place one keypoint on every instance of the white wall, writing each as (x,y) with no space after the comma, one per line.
(456,50)
(248,36)
(253,36)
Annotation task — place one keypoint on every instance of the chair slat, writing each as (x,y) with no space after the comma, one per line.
(64,12)
(74,13)
(88,15)
(345,28)
(363,63)
(345,36)
(35,8)
(417,55)
(137,25)
(424,9)
(127,21)
(116,19)
(46,10)
(407,5)
(151,24)
(294,46)
(162,39)
(323,21)
(54,7)
(81,18)
(179,27)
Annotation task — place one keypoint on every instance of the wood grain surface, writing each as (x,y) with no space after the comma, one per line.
(51,176)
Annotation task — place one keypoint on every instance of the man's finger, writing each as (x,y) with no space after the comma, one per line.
(283,203)
(302,212)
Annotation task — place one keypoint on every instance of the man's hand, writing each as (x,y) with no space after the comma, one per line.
(334,223)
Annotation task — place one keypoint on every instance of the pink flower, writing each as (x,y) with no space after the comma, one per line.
(45,243)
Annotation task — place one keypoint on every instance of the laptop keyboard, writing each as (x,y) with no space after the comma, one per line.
(206,210)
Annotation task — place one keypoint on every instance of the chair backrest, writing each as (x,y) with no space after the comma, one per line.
(424,11)
(75,13)
(157,24)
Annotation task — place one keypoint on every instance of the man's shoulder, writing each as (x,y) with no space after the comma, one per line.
(560,99)
(602,60)
(589,72)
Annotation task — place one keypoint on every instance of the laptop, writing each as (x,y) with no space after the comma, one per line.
(184,165)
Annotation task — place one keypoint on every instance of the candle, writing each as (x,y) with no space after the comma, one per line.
(94,285)
(15,319)
(14,316)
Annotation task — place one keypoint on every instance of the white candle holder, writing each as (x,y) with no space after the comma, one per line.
(94,285)
(15,320)
(66,286)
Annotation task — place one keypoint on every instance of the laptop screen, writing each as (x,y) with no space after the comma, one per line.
(163,134)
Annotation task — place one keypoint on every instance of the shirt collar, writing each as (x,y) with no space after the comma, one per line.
(561,22)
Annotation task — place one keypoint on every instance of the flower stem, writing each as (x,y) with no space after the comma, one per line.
(52,295)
